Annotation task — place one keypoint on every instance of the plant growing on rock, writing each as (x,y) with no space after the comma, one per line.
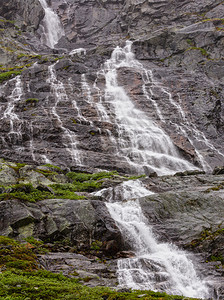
(8,75)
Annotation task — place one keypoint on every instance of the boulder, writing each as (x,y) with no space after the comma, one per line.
(78,221)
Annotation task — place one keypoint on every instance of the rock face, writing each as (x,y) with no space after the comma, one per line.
(56,106)
(80,222)
(58,111)
(27,14)
(91,271)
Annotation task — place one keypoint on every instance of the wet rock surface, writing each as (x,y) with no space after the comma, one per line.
(78,222)
(181,49)
(91,272)
(186,209)
(50,113)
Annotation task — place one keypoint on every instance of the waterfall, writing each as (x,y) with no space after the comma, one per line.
(15,133)
(52,28)
(156,266)
(140,142)
(59,94)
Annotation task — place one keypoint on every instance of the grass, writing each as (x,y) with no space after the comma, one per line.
(22,279)
(8,75)
(44,285)
(53,167)
(16,256)
(81,177)
(27,193)
(76,182)
(203,51)
(24,192)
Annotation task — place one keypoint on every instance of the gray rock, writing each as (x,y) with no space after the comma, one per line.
(79,221)
(91,272)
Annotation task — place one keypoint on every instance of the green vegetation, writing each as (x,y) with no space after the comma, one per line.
(136,177)
(29,56)
(17,167)
(87,186)
(215,188)
(32,101)
(96,245)
(76,182)
(46,173)
(44,285)
(214,19)
(81,177)
(8,75)
(217,258)
(26,192)
(203,51)
(53,167)
(190,42)
(16,256)
(7,21)
(208,234)
(21,279)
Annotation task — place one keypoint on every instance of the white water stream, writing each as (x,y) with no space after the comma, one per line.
(156,266)
(52,27)
(15,133)
(58,91)
(141,142)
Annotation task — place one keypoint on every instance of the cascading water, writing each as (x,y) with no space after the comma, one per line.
(156,266)
(196,138)
(59,93)
(142,143)
(15,133)
(52,28)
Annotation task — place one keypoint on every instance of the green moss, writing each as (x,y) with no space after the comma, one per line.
(37,246)
(21,279)
(202,50)
(66,191)
(7,21)
(58,58)
(207,234)
(17,167)
(46,173)
(81,177)
(215,188)
(16,256)
(136,177)
(90,182)
(24,192)
(217,258)
(53,167)
(5,241)
(44,285)
(96,245)
(28,56)
(8,75)
(214,19)
(190,42)
(21,55)
(32,100)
